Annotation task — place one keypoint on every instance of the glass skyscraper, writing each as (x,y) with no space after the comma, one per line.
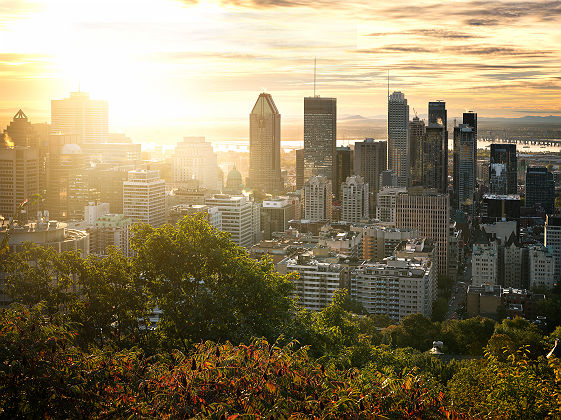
(398,137)
(320,137)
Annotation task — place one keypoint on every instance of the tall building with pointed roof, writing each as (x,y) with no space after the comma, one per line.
(264,146)
(20,132)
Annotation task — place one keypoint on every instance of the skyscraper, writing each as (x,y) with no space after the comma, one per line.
(264,145)
(464,175)
(540,188)
(194,160)
(80,116)
(320,137)
(435,158)
(19,179)
(398,137)
(506,155)
(144,197)
(470,118)
(299,168)
(20,132)
(552,240)
(317,199)
(416,134)
(355,201)
(370,161)
(343,168)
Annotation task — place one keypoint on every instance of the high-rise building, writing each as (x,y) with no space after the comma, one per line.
(19,180)
(505,154)
(542,267)
(417,135)
(552,240)
(317,198)
(398,137)
(144,197)
(386,204)
(379,242)
(485,263)
(540,188)
(498,180)
(388,178)
(320,137)
(194,160)
(299,169)
(435,158)
(264,146)
(80,116)
(370,160)
(495,208)
(20,132)
(464,166)
(438,114)
(240,218)
(470,118)
(343,169)
(275,215)
(429,213)
(355,199)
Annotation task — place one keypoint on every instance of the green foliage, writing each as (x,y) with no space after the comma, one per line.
(521,332)
(416,331)
(467,336)
(439,309)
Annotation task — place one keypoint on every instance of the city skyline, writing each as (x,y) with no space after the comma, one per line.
(163,64)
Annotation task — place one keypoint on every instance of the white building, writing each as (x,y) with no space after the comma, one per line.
(355,199)
(379,242)
(194,159)
(144,197)
(211,214)
(344,243)
(110,230)
(318,278)
(240,218)
(552,239)
(80,116)
(94,211)
(542,266)
(397,287)
(485,263)
(317,198)
(386,204)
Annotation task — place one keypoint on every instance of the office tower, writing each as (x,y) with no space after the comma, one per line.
(470,118)
(20,132)
(320,137)
(355,200)
(416,134)
(264,146)
(552,240)
(111,230)
(275,215)
(113,153)
(400,285)
(109,183)
(398,137)
(435,158)
(429,213)
(385,204)
(540,188)
(542,267)
(498,180)
(240,218)
(495,208)
(80,116)
(194,160)
(144,197)
(438,114)
(388,178)
(343,168)
(464,166)
(370,160)
(505,154)
(299,169)
(67,189)
(19,181)
(317,199)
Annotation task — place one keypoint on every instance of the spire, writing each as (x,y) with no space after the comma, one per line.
(20,115)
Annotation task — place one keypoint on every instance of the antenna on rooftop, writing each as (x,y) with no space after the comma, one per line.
(388,84)
(315,65)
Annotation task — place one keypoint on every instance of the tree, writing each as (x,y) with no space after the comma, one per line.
(467,336)
(415,331)
(439,309)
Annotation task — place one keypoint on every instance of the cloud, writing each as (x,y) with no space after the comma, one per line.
(429,33)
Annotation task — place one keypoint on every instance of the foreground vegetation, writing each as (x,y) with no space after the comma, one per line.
(232,341)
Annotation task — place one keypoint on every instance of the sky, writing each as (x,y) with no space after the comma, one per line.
(170,68)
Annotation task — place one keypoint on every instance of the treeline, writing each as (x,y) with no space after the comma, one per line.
(77,343)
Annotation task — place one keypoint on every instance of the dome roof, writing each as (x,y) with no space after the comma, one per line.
(234,179)
(71,149)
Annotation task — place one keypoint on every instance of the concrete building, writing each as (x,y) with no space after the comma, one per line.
(194,159)
(370,160)
(264,146)
(110,230)
(320,274)
(320,137)
(397,287)
(552,240)
(275,215)
(379,242)
(386,204)
(240,218)
(347,243)
(429,213)
(93,211)
(542,267)
(19,179)
(211,214)
(144,197)
(388,178)
(464,168)
(355,199)
(21,133)
(485,263)
(343,169)
(486,301)
(80,116)
(317,199)
(417,130)
(398,137)
(113,153)
(498,180)
(299,169)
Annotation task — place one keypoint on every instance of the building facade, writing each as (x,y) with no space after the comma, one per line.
(355,200)
(194,160)
(398,137)
(320,137)
(144,197)
(464,168)
(317,199)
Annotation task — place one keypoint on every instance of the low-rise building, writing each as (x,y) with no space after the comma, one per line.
(110,230)
(542,267)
